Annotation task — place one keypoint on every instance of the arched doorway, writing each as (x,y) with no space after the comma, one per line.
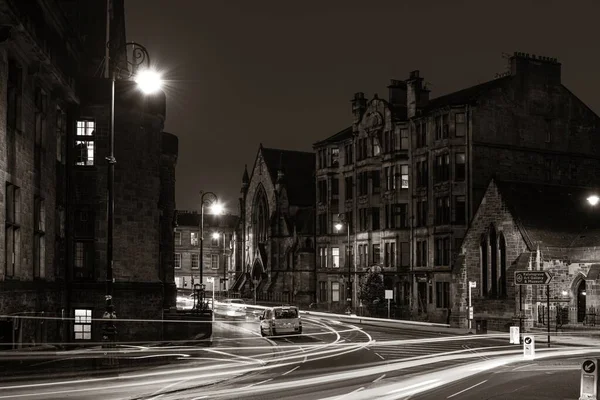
(581,301)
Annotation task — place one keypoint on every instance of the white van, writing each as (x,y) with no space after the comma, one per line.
(280,320)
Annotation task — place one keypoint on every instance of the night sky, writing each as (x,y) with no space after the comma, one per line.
(283,73)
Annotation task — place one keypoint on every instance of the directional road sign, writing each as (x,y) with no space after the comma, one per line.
(532,277)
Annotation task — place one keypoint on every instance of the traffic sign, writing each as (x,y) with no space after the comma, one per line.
(389,294)
(589,386)
(529,347)
(514,335)
(532,277)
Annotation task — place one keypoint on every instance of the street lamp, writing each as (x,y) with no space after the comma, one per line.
(593,199)
(211,200)
(338,228)
(149,82)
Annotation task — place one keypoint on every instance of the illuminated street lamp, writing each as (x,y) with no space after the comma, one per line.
(338,227)
(593,199)
(210,200)
(149,82)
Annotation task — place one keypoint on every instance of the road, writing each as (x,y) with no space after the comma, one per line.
(330,359)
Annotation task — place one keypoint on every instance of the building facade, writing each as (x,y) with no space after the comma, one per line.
(217,251)
(362,186)
(525,125)
(517,228)
(54,130)
(278,228)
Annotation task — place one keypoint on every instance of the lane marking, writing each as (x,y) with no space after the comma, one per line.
(523,366)
(469,388)
(257,383)
(291,370)
(380,378)
(380,356)
(416,385)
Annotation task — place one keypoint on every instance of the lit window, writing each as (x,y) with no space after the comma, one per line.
(83,324)
(335,291)
(84,143)
(193,238)
(335,253)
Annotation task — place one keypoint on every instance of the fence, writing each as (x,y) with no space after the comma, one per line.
(563,315)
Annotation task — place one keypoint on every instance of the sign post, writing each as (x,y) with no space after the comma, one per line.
(389,295)
(589,380)
(529,347)
(536,278)
(472,284)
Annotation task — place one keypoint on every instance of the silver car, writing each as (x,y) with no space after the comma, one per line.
(280,320)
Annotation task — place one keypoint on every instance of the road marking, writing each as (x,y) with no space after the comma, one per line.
(523,366)
(416,385)
(380,356)
(257,383)
(291,370)
(380,378)
(469,388)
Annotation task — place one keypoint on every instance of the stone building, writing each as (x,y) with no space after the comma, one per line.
(362,183)
(536,227)
(525,125)
(278,228)
(55,117)
(217,250)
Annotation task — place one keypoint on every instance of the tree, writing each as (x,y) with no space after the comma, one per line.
(371,291)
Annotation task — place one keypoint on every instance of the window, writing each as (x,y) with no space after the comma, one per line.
(41,110)
(376,253)
(404,176)
(422,253)
(14,94)
(442,167)
(335,188)
(84,260)
(363,215)
(335,256)
(323,257)
(84,143)
(388,142)
(363,255)
(193,238)
(460,127)
(442,294)
(421,134)
(404,254)
(390,254)
(335,157)
(214,261)
(322,190)
(12,229)
(214,241)
(195,261)
(445,127)
(389,175)
(403,139)
(348,188)
(322,219)
(442,210)
(376,150)
(177,260)
(422,213)
(178,238)
(460,211)
(375,219)
(362,149)
(348,154)
(375,182)
(61,135)
(39,247)
(459,167)
(483,258)
(442,251)
(548,170)
(438,127)
(363,183)
(335,292)
(321,158)
(83,324)
(422,173)
(323,292)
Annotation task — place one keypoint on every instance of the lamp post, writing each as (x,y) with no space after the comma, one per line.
(148,82)
(338,228)
(211,200)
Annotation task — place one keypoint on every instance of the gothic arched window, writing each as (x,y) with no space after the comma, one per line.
(494,260)
(260,217)
(502,246)
(483,247)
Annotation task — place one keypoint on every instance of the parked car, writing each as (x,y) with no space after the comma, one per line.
(234,308)
(280,320)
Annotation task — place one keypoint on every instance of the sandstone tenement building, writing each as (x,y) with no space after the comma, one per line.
(53,134)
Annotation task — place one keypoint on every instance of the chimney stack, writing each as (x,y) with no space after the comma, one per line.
(359,106)
(532,69)
(417,96)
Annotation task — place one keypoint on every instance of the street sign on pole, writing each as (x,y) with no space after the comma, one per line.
(389,295)
(529,347)
(532,277)
(589,380)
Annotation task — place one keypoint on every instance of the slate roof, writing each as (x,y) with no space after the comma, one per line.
(192,218)
(552,215)
(338,137)
(299,173)
(465,96)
